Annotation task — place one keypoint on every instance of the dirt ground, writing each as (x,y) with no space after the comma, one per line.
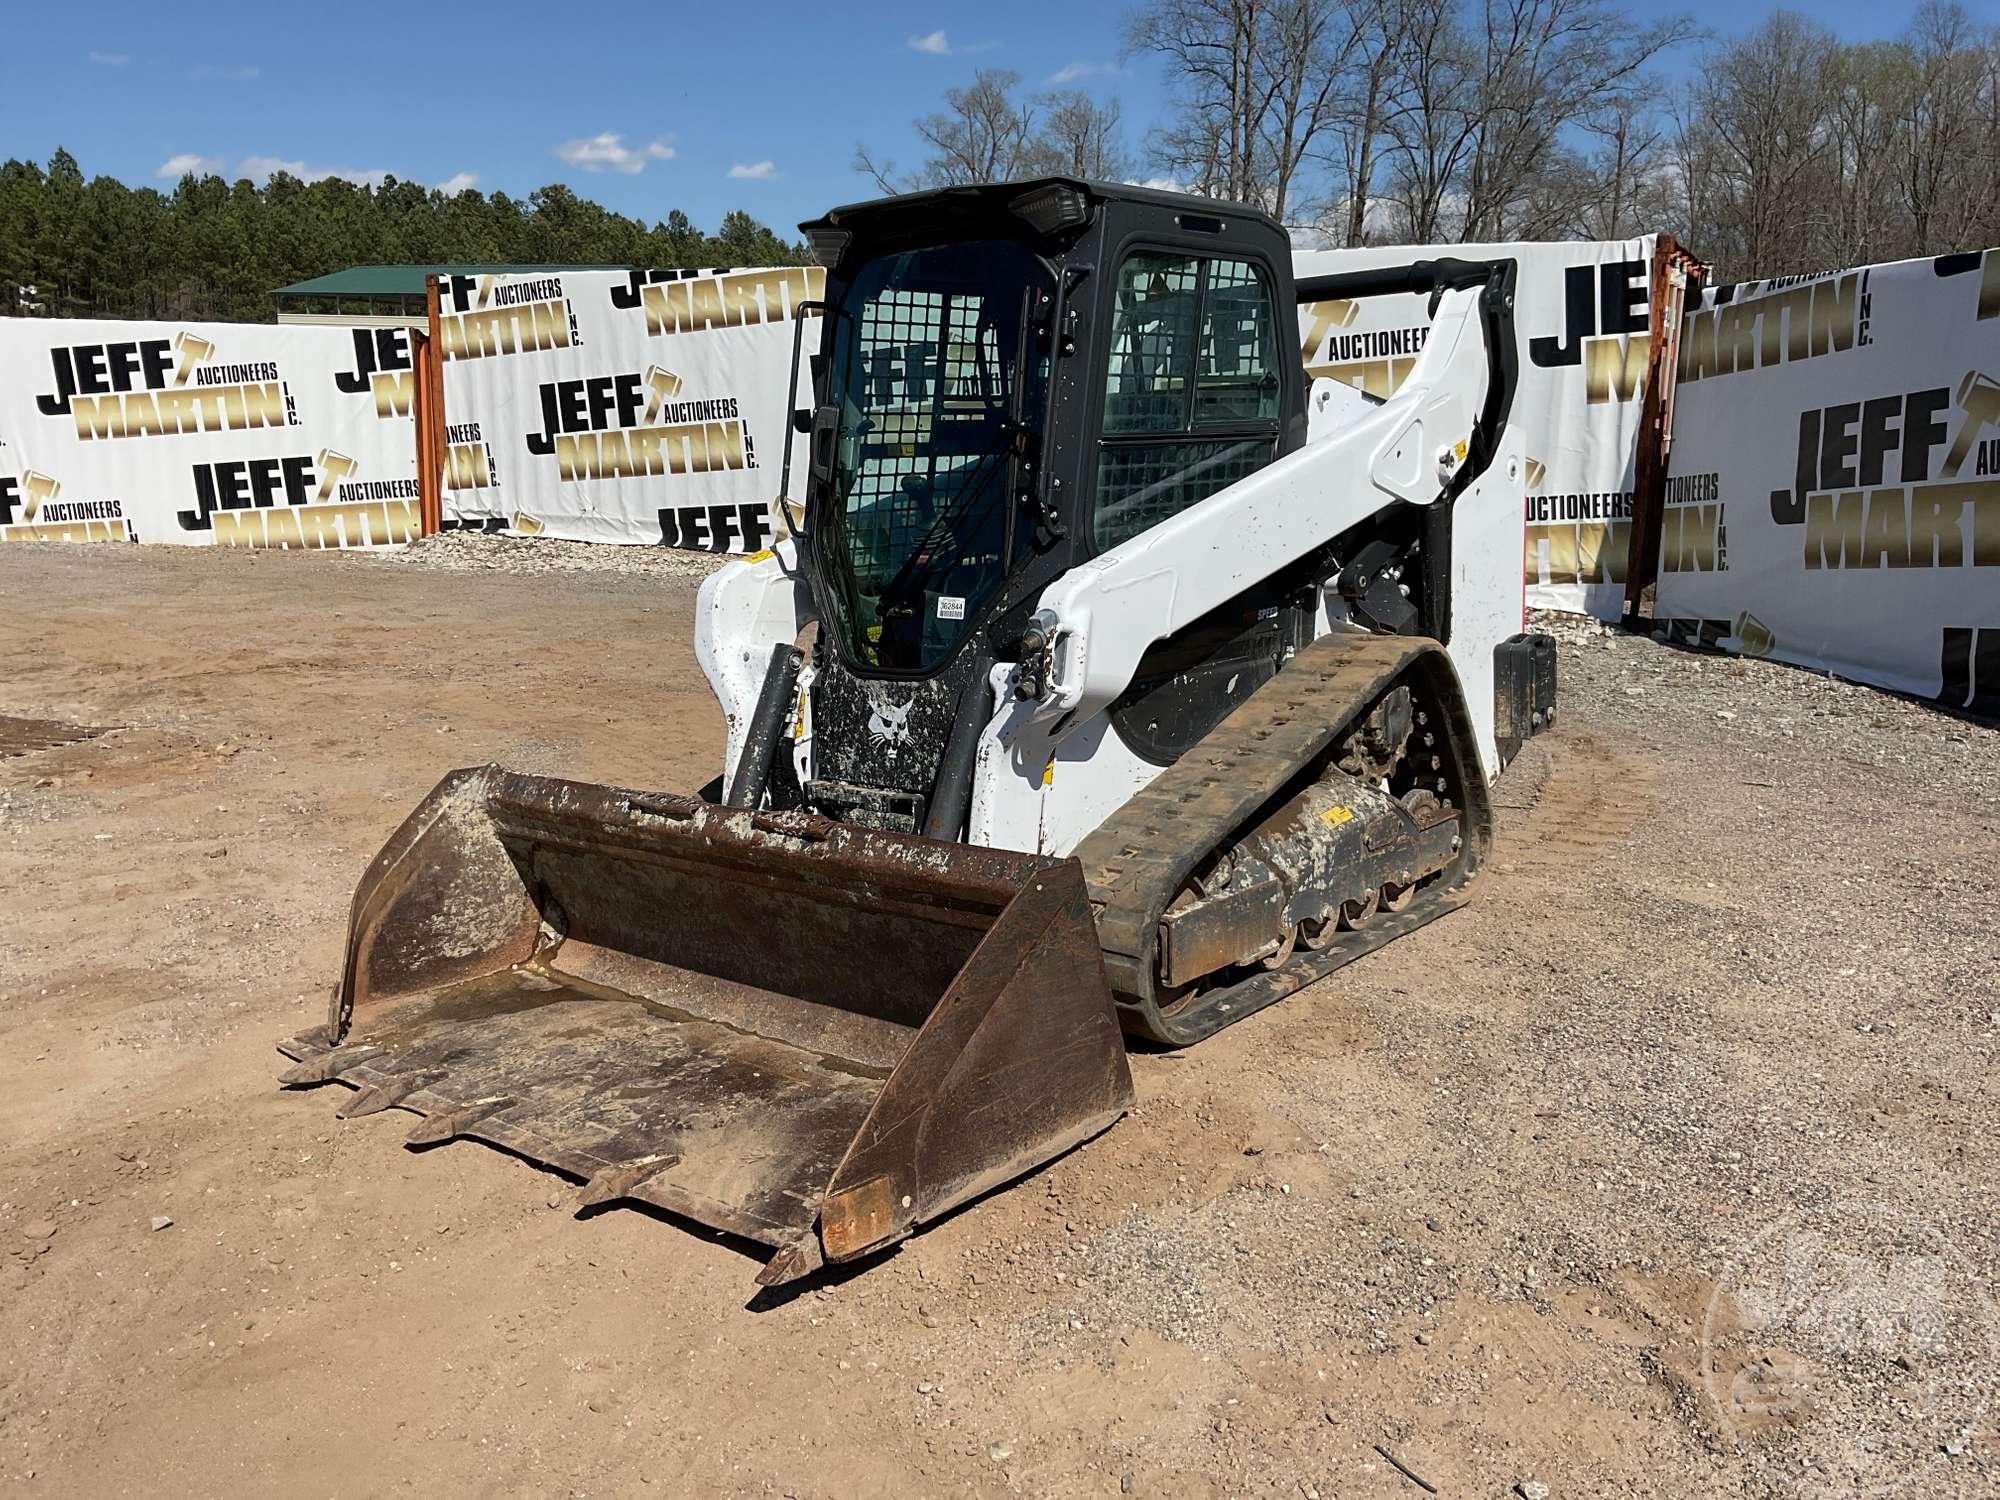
(1667,1168)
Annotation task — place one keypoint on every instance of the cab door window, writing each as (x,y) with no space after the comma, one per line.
(1191,388)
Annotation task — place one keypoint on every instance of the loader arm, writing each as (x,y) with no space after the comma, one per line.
(1414,448)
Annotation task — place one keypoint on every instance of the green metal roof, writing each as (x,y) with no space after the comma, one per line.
(403,281)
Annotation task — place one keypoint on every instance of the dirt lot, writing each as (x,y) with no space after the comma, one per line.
(1668,1168)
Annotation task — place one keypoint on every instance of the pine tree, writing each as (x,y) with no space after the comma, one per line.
(215,249)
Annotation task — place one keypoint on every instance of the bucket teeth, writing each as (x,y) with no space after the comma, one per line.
(619,1181)
(377,1097)
(455,1122)
(801,1257)
(327,1065)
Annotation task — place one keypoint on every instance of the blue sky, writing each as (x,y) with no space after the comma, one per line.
(700,107)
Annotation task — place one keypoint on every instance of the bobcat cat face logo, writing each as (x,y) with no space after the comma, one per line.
(888,725)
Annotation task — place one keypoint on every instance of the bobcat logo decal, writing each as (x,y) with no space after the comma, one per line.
(888,725)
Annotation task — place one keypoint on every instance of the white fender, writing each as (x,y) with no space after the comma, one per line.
(742,611)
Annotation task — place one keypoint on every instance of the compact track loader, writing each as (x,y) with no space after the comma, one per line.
(1111,681)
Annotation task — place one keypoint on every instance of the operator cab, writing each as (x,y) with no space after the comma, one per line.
(1012,378)
(1015,376)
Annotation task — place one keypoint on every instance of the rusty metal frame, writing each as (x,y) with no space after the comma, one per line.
(427,360)
(1674,269)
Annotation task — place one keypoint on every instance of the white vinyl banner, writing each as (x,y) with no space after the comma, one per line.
(233,434)
(1582,327)
(627,406)
(1833,491)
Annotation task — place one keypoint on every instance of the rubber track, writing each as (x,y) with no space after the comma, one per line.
(1139,858)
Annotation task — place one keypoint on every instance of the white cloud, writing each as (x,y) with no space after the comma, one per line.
(210,70)
(1073,71)
(257,168)
(1163,184)
(609,153)
(756,171)
(260,168)
(937,44)
(178,166)
(111,59)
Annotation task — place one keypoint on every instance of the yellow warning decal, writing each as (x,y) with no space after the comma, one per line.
(1049,772)
(767,554)
(1333,817)
(1458,450)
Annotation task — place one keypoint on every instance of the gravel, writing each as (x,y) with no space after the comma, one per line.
(466,552)
(1767,710)
(1723,1022)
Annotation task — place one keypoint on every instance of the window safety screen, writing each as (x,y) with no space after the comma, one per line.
(1193,347)
(1238,377)
(927,354)
(1152,344)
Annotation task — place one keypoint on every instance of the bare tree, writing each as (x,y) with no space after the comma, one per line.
(1304,49)
(1762,107)
(882,172)
(1209,48)
(981,135)
(1257,82)
(1476,111)
(1355,136)
(985,134)
(1429,119)
(1542,68)
(1440,120)
(1627,177)
(1078,136)
(1869,95)
(1944,158)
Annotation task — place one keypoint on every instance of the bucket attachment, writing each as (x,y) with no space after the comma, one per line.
(805,1033)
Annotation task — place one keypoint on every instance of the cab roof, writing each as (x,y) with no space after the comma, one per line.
(932,209)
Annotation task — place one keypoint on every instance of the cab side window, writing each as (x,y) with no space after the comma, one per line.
(1191,388)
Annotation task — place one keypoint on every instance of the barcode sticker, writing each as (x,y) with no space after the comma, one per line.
(950,607)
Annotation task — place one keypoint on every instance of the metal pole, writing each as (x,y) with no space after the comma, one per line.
(430,420)
(1671,268)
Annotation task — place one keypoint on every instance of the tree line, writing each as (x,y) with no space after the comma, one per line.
(211,248)
(1785,150)
(1782,151)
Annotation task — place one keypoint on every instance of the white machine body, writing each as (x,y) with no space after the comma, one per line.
(1051,769)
